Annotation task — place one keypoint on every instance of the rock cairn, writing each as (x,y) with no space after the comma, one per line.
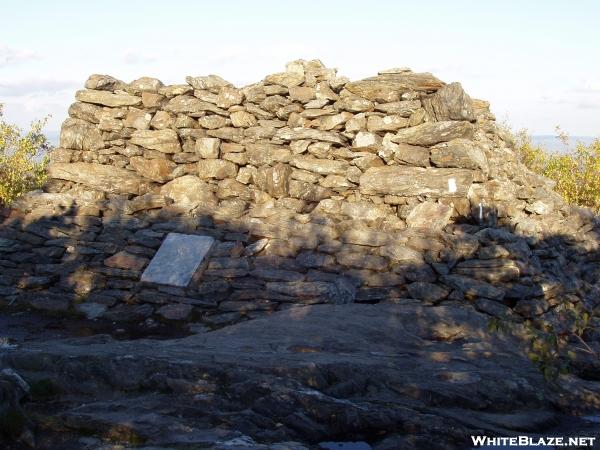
(317,189)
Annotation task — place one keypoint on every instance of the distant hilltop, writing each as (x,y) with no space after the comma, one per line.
(554,144)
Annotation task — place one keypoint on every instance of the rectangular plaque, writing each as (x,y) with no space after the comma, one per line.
(177,259)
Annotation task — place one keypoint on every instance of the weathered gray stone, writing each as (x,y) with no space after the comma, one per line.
(473,288)
(178,311)
(177,259)
(361,260)
(389,87)
(294,134)
(428,292)
(431,133)
(412,181)
(101,82)
(491,270)
(103,178)
(451,102)
(107,98)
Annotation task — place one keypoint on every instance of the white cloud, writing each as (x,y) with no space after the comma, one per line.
(10,55)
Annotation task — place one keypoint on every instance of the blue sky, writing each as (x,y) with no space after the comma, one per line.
(535,61)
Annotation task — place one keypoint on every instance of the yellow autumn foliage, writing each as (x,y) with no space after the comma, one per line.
(576,172)
(23,159)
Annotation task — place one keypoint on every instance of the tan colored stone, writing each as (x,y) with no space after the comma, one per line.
(303,94)
(267,154)
(165,141)
(412,181)
(386,123)
(207,148)
(430,215)
(320,166)
(78,134)
(242,119)
(216,168)
(159,170)
(431,133)
(106,98)
(162,120)
(273,180)
(389,87)
(229,96)
(293,134)
(138,119)
(462,153)
(213,121)
(189,192)
(102,178)
(127,261)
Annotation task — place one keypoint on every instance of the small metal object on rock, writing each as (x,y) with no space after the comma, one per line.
(177,259)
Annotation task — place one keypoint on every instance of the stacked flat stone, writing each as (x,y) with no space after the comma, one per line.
(316,189)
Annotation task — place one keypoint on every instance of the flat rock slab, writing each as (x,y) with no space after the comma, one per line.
(177,259)
(387,374)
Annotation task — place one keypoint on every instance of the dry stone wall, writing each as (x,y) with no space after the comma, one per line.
(394,188)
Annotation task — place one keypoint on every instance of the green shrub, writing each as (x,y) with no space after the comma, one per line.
(576,172)
(23,159)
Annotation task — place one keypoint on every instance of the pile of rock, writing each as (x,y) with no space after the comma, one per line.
(316,189)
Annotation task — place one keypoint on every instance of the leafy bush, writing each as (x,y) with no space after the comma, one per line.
(576,173)
(23,159)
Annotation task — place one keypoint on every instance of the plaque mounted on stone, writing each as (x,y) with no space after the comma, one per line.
(177,259)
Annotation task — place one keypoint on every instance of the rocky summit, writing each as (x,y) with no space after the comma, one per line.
(303,260)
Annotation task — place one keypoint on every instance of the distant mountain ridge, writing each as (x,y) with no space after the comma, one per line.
(554,144)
